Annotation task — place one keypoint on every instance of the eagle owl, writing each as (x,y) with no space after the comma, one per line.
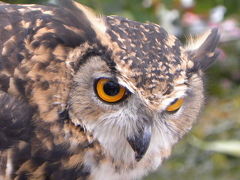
(93,97)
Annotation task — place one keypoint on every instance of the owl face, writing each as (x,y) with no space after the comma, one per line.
(141,91)
(127,126)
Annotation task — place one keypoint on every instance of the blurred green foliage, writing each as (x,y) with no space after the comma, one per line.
(211,150)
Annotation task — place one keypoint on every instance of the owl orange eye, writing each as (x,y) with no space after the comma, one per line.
(109,91)
(175,105)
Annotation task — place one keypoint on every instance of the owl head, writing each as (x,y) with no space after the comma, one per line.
(135,88)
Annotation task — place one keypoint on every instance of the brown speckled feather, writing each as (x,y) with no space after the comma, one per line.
(151,57)
(34,44)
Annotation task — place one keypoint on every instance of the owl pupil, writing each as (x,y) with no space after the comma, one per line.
(111,88)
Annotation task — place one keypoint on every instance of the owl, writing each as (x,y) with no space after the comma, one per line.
(93,97)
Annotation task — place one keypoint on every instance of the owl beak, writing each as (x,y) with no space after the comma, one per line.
(140,142)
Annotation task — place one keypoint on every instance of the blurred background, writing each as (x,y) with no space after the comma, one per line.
(212,149)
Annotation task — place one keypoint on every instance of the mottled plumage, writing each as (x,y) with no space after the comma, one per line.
(52,123)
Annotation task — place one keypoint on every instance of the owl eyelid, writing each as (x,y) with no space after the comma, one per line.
(174,101)
(114,80)
(109,78)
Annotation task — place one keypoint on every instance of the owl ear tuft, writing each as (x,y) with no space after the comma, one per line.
(96,22)
(203,51)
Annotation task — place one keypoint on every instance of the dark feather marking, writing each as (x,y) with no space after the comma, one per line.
(15,121)
(21,155)
(36,44)
(5,63)
(4,82)
(20,85)
(45,85)
(20,57)
(24,175)
(64,115)
(81,172)
(58,152)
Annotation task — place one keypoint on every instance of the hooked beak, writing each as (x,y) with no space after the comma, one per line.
(140,142)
